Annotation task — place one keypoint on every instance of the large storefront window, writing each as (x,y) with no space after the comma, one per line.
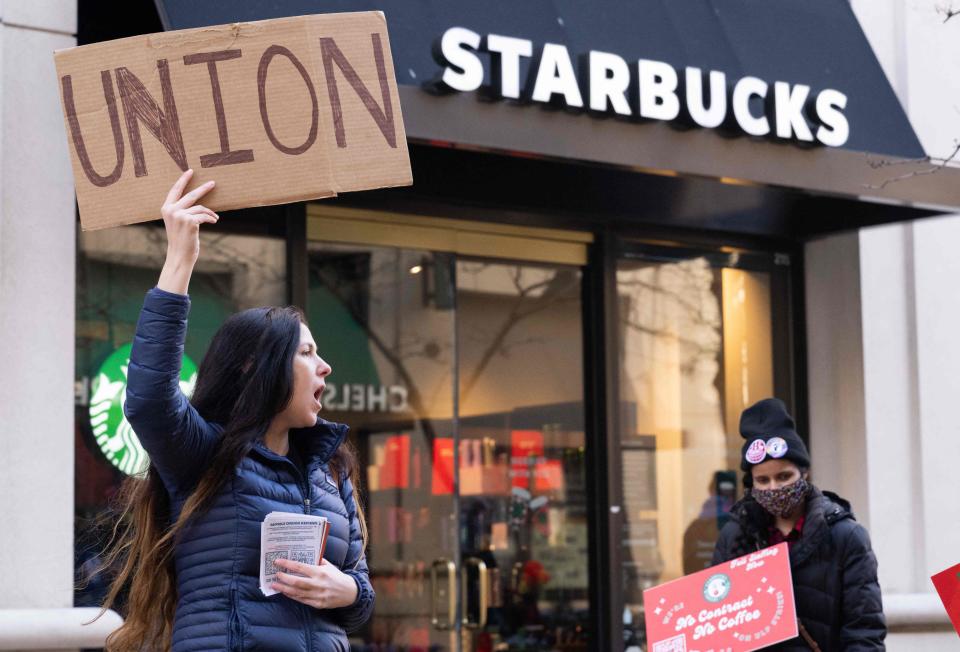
(462,381)
(696,348)
(115,268)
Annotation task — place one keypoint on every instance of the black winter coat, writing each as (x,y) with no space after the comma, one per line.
(834,572)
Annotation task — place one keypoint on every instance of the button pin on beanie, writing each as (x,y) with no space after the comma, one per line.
(768,426)
(776,447)
(756,452)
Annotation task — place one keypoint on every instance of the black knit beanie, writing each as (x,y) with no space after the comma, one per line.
(770,434)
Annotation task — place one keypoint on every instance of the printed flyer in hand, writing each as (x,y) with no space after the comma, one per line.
(298,537)
(741,605)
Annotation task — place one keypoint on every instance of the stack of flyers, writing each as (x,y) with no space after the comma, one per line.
(298,537)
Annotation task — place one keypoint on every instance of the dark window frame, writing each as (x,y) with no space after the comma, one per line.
(601,368)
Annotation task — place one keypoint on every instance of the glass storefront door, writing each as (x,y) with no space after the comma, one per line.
(462,382)
(392,351)
(699,338)
(522,484)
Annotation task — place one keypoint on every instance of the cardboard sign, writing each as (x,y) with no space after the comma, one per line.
(274,111)
(744,604)
(947,584)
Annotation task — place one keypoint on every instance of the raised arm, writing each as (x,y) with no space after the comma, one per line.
(177,439)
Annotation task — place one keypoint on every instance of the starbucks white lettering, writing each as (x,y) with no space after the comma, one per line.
(509,50)
(745,89)
(454,48)
(661,92)
(555,76)
(789,102)
(658,90)
(714,115)
(829,108)
(610,78)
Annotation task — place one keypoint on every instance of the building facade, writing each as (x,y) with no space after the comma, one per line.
(544,345)
(881,355)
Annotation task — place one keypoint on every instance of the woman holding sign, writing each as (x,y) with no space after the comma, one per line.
(833,566)
(249,443)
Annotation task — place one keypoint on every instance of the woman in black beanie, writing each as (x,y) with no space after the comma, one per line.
(834,569)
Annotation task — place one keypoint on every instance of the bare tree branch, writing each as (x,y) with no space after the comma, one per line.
(413,393)
(933,169)
(689,306)
(948,11)
(695,347)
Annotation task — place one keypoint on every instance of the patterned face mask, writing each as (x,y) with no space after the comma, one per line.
(781,502)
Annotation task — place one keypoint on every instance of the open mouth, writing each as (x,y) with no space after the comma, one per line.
(318,394)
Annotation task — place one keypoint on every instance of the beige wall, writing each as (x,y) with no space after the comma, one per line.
(882,310)
(36,309)
(918,52)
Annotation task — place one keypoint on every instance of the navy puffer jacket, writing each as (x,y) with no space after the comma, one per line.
(834,572)
(219,603)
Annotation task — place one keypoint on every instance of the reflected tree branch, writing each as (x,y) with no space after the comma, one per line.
(692,317)
(556,290)
(414,398)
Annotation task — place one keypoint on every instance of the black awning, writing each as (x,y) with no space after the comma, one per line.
(815,43)
(818,43)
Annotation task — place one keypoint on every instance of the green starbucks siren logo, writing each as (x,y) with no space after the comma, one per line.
(114,435)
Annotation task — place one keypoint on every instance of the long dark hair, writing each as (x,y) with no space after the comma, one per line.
(244,381)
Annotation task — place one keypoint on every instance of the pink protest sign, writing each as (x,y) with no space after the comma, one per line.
(947,583)
(741,605)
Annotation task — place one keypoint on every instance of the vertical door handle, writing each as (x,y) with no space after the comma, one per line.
(516,571)
(484,587)
(451,619)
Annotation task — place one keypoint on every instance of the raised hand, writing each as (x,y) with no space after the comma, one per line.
(182,217)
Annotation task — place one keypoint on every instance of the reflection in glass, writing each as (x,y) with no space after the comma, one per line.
(522,482)
(383,318)
(695,349)
(462,381)
(115,268)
